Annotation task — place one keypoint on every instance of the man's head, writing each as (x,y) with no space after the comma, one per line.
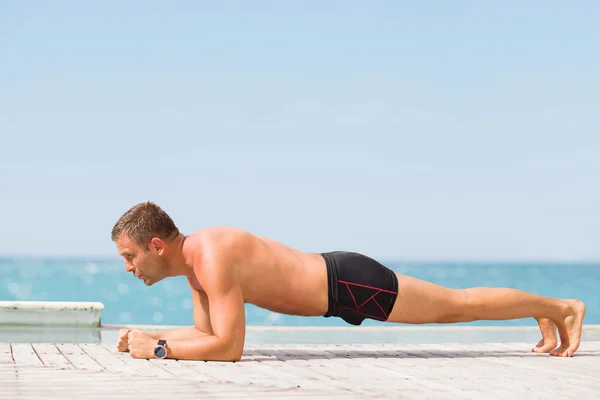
(143,235)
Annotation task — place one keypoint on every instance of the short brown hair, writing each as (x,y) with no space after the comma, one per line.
(143,222)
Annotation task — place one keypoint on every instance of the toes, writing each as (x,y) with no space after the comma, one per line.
(564,350)
(538,346)
(544,346)
(544,349)
(560,352)
(571,351)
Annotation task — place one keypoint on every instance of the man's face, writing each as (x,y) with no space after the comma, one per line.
(145,264)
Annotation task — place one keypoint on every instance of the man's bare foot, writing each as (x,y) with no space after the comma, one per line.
(549,341)
(570,329)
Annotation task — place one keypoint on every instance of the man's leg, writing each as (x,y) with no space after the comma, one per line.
(421,302)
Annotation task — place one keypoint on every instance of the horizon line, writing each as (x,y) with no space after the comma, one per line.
(383,259)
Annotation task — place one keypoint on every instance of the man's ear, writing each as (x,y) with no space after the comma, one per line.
(157,244)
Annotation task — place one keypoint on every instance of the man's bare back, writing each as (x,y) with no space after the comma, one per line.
(271,275)
(228,267)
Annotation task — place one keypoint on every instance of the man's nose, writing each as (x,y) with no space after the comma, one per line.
(129,267)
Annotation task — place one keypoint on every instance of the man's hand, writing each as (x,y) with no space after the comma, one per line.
(141,344)
(122,339)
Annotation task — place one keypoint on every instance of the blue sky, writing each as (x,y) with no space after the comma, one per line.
(408,130)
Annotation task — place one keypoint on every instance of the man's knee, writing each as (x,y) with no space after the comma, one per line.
(458,308)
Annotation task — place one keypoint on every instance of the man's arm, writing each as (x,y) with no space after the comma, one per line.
(201,326)
(227,316)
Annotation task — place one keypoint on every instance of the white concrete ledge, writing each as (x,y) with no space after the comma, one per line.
(50,313)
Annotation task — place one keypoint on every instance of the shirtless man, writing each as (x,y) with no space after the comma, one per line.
(228,267)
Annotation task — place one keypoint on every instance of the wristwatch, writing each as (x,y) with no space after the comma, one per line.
(160,350)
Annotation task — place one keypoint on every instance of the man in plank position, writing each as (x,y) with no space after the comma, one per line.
(228,267)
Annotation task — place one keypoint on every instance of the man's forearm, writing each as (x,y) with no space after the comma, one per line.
(205,348)
(185,333)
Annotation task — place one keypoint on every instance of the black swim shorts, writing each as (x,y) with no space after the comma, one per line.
(359,287)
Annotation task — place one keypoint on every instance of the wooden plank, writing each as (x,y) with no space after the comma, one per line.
(540,370)
(264,359)
(51,356)
(245,372)
(307,378)
(507,365)
(79,358)
(181,369)
(425,351)
(308,368)
(448,370)
(378,368)
(108,360)
(533,364)
(392,352)
(9,382)
(375,380)
(336,360)
(203,371)
(6,354)
(24,354)
(35,383)
(410,366)
(467,351)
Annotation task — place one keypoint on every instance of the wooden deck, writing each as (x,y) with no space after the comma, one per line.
(449,371)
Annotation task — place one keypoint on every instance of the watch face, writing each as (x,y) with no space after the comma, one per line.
(160,352)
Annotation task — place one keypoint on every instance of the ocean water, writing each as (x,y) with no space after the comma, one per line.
(128,301)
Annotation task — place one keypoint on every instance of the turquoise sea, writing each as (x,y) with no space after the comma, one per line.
(128,301)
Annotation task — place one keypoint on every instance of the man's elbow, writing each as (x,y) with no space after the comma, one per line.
(226,349)
(237,355)
(232,353)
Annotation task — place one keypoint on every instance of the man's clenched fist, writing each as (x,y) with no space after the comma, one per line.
(122,340)
(140,344)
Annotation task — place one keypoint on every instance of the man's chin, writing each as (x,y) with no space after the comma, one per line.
(150,282)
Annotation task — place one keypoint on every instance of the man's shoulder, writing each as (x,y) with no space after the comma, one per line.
(212,253)
(213,241)
(215,236)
